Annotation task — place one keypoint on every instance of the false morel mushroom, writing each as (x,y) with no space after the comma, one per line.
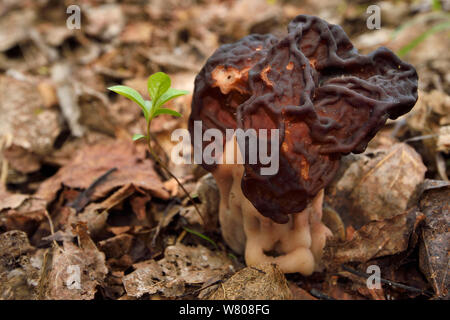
(325,99)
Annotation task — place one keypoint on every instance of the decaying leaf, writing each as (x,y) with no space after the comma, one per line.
(13,244)
(262,282)
(375,239)
(24,117)
(181,265)
(21,212)
(20,266)
(434,247)
(14,28)
(76,271)
(93,161)
(377,185)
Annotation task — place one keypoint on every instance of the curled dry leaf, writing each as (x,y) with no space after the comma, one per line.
(376,185)
(93,161)
(375,239)
(181,265)
(95,215)
(21,212)
(262,282)
(76,271)
(434,245)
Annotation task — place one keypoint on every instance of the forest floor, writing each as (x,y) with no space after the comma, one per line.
(79,198)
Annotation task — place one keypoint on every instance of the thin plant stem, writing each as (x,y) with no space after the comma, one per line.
(158,159)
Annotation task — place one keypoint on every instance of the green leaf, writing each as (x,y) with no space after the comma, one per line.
(138,136)
(419,39)
(436,5)
(198,234)
(149,107)
(166,111)
(157,84)
(133,95)
(170,94)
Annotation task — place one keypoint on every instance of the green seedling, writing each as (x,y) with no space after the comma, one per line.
(160,92)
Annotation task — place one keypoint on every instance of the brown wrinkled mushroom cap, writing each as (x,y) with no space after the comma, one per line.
(326,99)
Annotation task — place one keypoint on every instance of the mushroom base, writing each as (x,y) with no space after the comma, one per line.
(295,246)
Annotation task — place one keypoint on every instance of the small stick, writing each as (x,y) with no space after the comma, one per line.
(388,282)
(158,160)
(202,288)
(316,293)
(83,198)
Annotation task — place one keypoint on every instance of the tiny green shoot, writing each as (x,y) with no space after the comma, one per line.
(422,37)
(160,92)
(201,235)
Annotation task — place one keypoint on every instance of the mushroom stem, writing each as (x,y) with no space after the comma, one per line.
(295,246)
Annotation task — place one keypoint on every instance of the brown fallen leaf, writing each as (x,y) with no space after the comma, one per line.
(13,244)
(434,245)
(33,127)
(299,293)
(76,271)
(20,267)
(375,239)
(21,160)
(181,266)
(117,246)
(262,282)
(376,185)
(21,212)
(93,161)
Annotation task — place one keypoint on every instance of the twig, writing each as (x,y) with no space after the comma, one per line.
(158,160)
(316,293)
(388,282)
(83,198)
(52,229)
(202,288)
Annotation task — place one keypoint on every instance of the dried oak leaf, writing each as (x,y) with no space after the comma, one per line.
(93,161)
(378,184)
(375,239)
(76,271)
(261,282)
(434,245)
(181,265)
(21,212)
